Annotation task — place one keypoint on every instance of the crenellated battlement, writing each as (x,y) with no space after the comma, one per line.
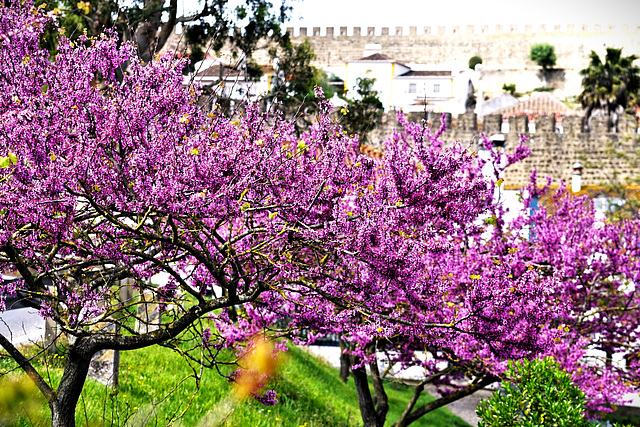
(555,147)
(568,126)
(579,30)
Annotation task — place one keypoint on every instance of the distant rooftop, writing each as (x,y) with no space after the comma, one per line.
(497,103)
(426,73)
(216,71)
(375,57)
(539,103)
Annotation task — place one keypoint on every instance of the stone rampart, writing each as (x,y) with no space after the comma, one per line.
(554,149)
(503,46)
(504,49)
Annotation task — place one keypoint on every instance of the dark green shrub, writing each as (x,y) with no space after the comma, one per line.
(509,88)
(536,393)
(473,61)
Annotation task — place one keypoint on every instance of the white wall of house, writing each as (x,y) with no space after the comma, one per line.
(381,70)
(399,91)
(411,90)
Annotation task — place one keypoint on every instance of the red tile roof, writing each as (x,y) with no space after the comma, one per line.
(539,103)
(375,57)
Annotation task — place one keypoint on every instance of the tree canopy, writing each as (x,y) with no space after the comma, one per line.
(578,271)
(292,87)
(543,54)
(364,111)
(150,23)
(612,87)
(134,180)
(473,61)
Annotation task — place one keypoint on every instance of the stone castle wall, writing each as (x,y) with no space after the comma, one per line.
(501,46)
(553,153)
(504,49)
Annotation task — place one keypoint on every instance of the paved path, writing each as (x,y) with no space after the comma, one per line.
(22,325)
(465,408)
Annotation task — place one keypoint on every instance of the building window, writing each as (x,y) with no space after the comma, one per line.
(436,88)
(412,88)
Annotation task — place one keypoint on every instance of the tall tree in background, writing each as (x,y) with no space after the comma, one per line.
(292,88)
(543,54)
(149,23)
(610,88)
(364,111)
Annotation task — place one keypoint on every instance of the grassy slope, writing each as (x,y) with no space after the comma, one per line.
(309,394)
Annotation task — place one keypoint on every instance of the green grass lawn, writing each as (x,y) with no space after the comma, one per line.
(309,394)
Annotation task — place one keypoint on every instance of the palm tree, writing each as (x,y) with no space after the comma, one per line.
(610,88)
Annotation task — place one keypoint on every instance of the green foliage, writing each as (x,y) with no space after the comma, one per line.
(509,88)
(619,420)
(473,61)
(72,19)
(196,55)
(254,70)
(543,89)
(363,113)
(612,86)
(149,23)
(543,54)
(537,393)
(296,77)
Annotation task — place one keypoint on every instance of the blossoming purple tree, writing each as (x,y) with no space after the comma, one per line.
(131,179)
(589,269)
(597,263)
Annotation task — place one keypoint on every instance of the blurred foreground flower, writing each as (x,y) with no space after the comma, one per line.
(259,364)
(20,399)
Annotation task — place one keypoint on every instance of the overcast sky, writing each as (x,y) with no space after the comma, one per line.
(446,12)
(420,13)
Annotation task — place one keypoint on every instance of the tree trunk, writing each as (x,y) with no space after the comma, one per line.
(408,417)
(380,399)
(365,402)
(372,409)
(345,362)
(63,406)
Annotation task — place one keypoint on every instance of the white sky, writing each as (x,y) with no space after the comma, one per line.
(420,13)
(390,13)
(446,12)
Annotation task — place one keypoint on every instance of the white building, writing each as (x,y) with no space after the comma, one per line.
(411,87)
